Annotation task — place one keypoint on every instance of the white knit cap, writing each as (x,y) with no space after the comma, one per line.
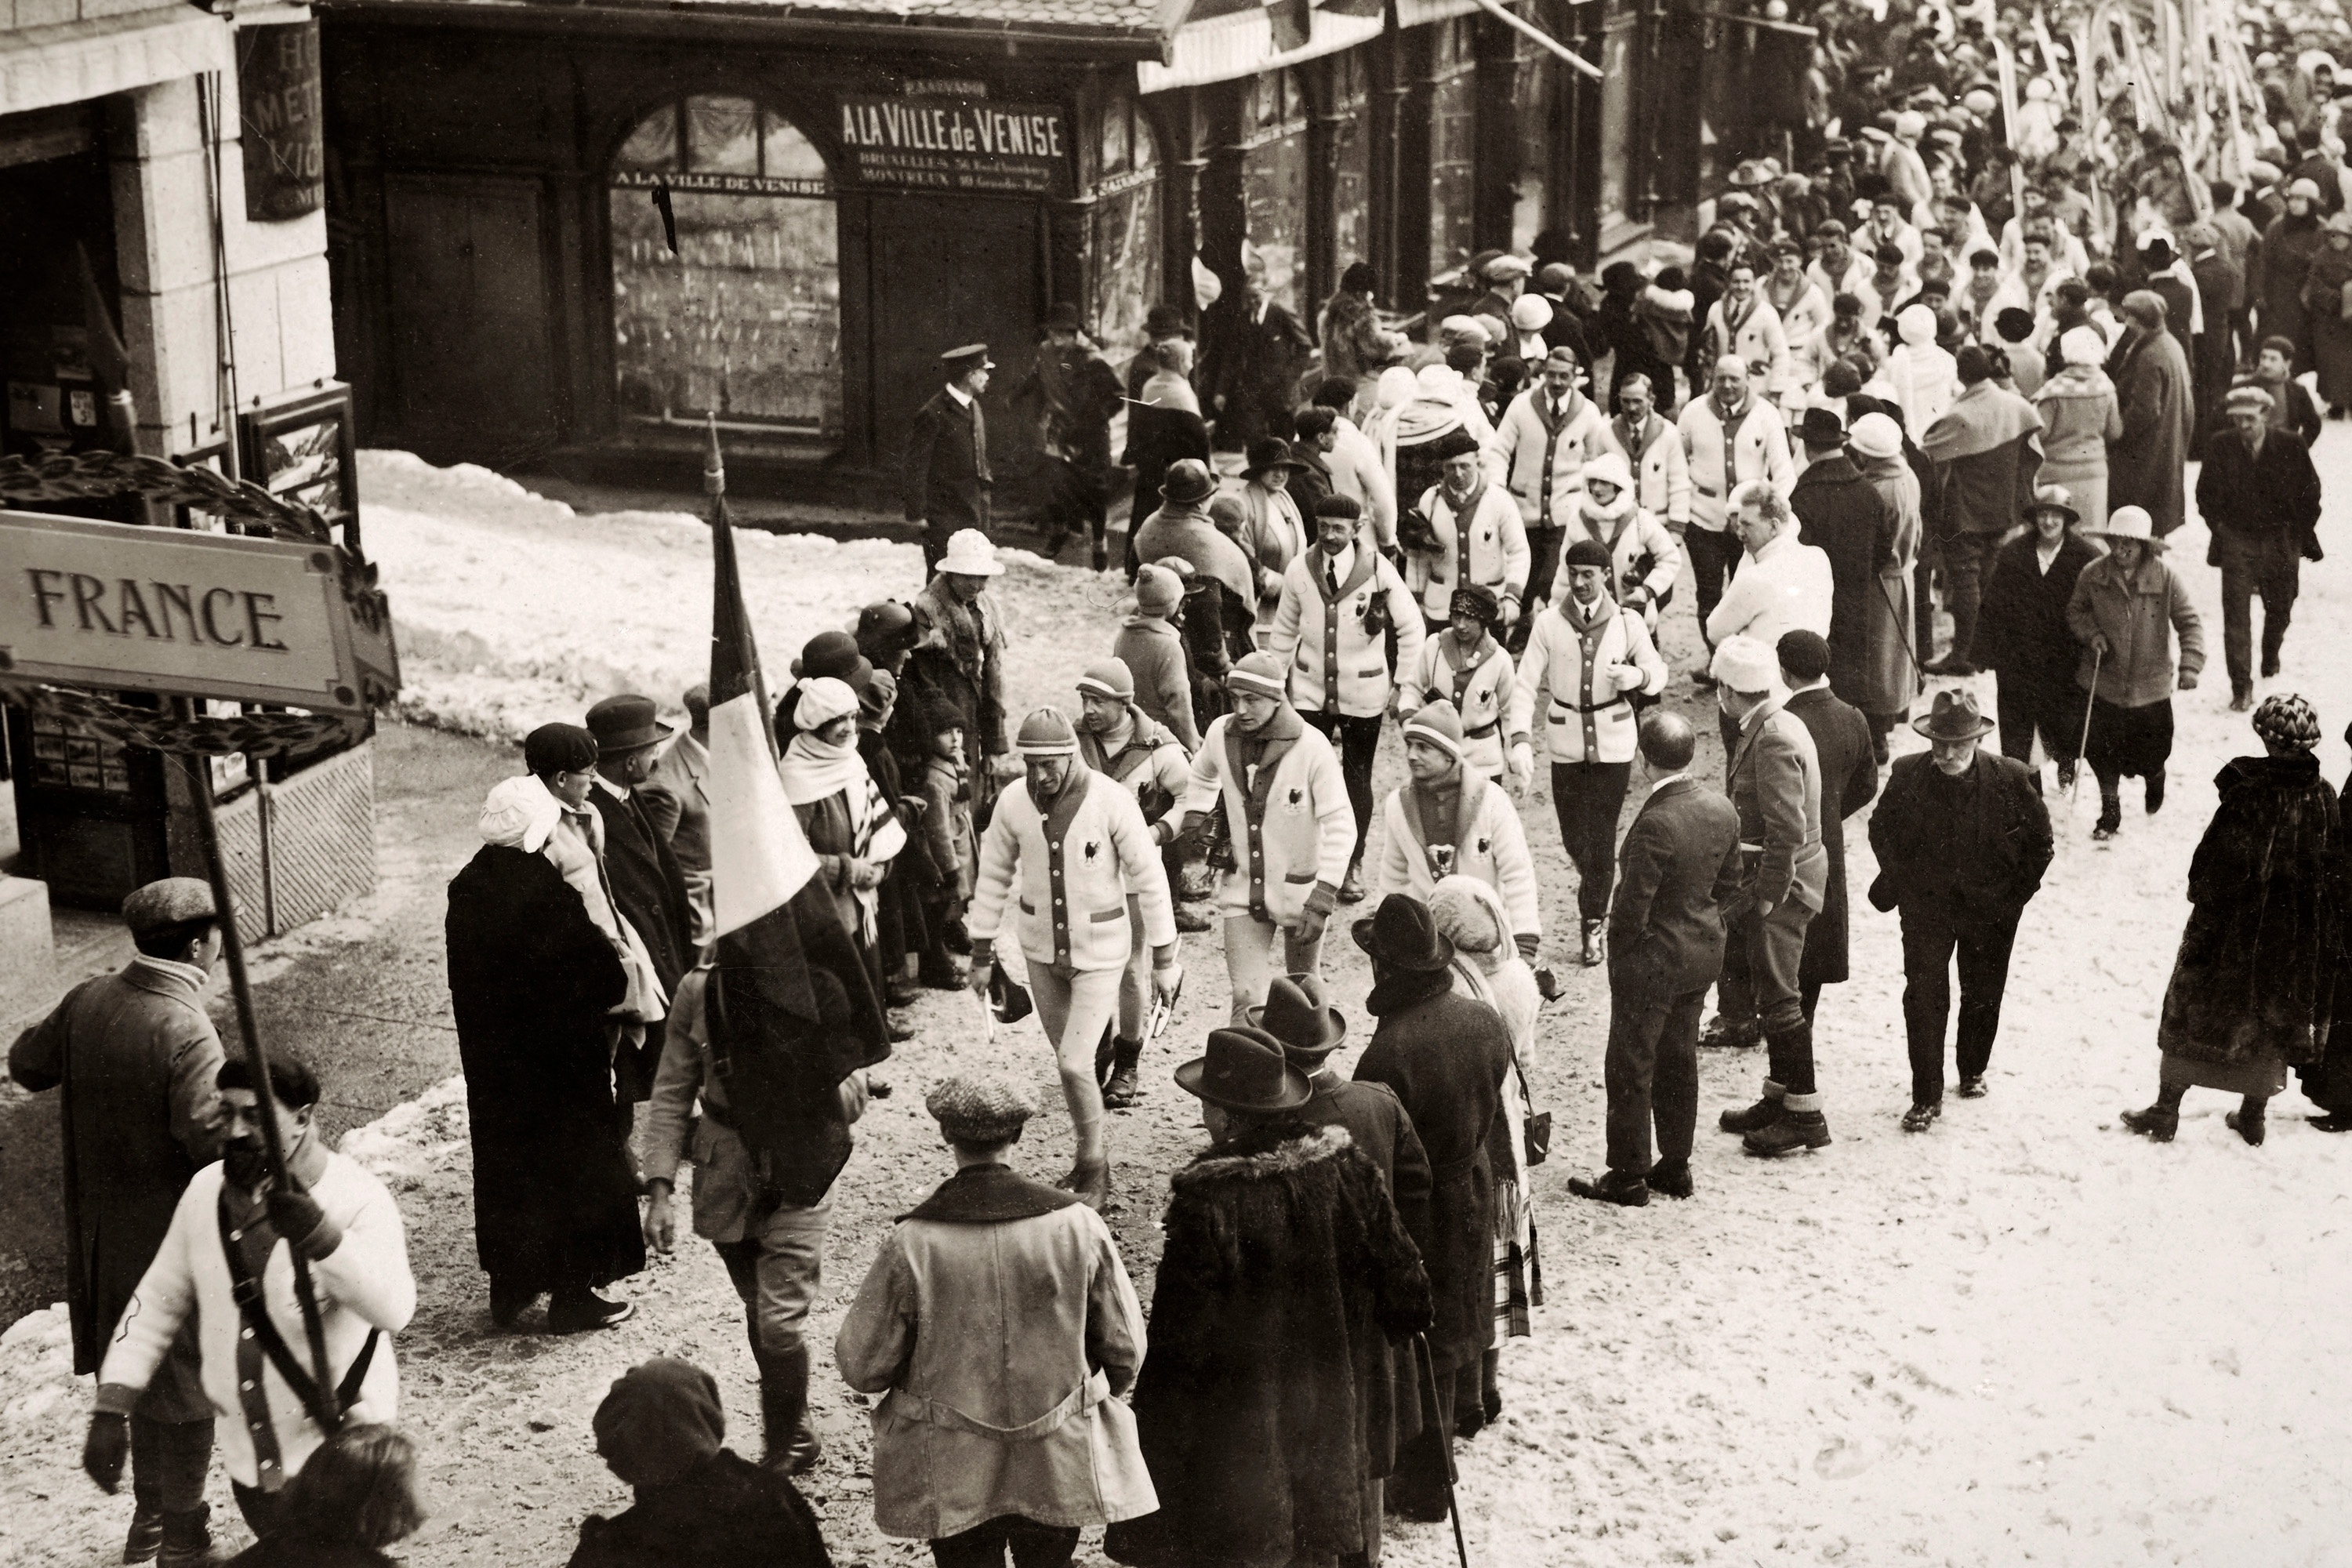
(2082,345)
(1746,664)
(1917,323)
(1396,388)
(821,700)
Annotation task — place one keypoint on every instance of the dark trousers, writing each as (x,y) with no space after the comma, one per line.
(1033,1545)
(1714,561)
(1652,1073)
(1359,742)
(1932,936)
(2270,565)
(2044,704)
(1967,558)
(1923,599)
(1587,796)
(1543,565)
(168,1461)
(1077,501)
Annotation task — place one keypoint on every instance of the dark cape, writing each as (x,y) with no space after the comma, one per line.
(1846,517)
(726,1512)
(1445,1055)
(1849,782)
(2255,977)
(531,980)
(1285,1276)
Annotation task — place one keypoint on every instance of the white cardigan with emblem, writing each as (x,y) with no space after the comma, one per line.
(1106,850)
(1361,658)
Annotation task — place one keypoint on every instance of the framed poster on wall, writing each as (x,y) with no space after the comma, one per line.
(306,451)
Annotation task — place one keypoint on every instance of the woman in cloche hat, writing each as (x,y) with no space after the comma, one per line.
(2126,667)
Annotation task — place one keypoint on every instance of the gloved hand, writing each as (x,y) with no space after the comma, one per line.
(1523,764)
(293,1211)
(105,1449)
(2187,680)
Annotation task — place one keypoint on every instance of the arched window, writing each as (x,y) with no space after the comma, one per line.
(743,319)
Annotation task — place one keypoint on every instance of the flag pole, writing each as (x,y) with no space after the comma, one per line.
(198,768)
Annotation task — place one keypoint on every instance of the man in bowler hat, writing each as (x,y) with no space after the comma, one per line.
(647,883)
(943,477)
(1679,868)
(1962,839)
(135,1054)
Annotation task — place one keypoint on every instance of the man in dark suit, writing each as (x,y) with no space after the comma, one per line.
(1849,782)
(677,799)
(944,477)
(648,889)
(1253,351)
(1679,863)
(2259,494)
(1962,839)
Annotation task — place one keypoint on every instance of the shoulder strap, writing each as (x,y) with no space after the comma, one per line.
(245,1291)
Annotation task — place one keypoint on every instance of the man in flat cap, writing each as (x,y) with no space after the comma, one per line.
(134,1056)
(943,476)
(648,885)
(996,1328)
(2260,495)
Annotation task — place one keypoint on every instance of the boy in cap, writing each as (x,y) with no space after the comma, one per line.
(1262,1407)
(1152,648)
(1463,665)
(135,1054)
(1340,600)
(1078,843)
(996,1328)
(1118,740)
(1285,834)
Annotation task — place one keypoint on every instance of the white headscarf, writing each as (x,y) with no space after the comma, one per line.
(520,814)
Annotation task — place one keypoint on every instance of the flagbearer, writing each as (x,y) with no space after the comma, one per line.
(1076,842)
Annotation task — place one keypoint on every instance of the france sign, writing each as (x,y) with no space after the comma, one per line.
(120,607)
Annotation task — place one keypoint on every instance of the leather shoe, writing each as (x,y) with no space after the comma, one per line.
(1626,1189)
(146,1537)
(1972,1087)
(2160,1122)
(1796,1130)
(2249,1125)
(573,1314)
(1192,920)
(1672,1180)
(1921,1117)
(1351,889)
(1721,1034)
(1591,954)
(1753,1118)
(904,992)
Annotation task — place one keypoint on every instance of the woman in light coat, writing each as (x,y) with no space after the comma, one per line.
(2079,418)
(1890,675)
(2127,607)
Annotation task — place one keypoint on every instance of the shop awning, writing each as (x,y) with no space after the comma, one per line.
(1243,42)
(1415,12)
(72,62)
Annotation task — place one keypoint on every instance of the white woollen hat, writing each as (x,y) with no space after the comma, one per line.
(1746,664)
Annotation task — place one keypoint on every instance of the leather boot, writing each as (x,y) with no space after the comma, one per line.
(1801,1126)
(1758,1116)
(1106,1054)
(1591,954)
(1123,1089)
(1091,1182)
(2249,1122)
(187,1540)
(2160,1122)
(146,1536)
(1723,1034)
(792,1447)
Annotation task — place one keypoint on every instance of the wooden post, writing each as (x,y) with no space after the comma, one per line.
(200,787)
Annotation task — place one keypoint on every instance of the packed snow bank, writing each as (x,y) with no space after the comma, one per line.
(513,610)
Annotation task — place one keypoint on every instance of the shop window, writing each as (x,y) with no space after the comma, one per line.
(743,321)
(1453,144)
(1273,182)
(1351,161)
(1617,194)
(1128,237)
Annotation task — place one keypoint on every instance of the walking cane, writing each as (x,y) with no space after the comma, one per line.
(1428,1363)
(2090,705)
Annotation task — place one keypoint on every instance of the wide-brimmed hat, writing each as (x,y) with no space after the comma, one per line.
(1400,933)
(2055,497)
(2128,522)
(1297,1013)
(970,554)
(1953,718)
(626,723)
(1245,1069)
(1268,452)
(1187,482)
(1751,172)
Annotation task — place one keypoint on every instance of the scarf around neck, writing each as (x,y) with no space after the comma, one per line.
(813,769)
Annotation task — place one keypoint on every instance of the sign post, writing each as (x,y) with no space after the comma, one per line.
(294,620)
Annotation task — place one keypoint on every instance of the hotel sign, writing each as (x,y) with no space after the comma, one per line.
(110,605)
(957,144)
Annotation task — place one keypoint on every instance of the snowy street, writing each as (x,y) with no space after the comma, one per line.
(2023,1336)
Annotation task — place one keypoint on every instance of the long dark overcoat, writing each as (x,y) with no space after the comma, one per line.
(1849,782)
(1285,1274)
(530,981)
(2256,976)
(1846,517)
(1445,1056)
(2159,413)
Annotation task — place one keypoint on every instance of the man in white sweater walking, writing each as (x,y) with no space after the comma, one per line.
(230,1260)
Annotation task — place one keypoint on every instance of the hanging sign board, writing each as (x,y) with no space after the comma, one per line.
(285,139)
(192,614)
(952,143)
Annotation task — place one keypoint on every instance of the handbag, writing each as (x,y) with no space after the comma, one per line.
(1535,1129)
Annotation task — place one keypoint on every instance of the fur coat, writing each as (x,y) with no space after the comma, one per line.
(1285,1276)
(2256,976)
